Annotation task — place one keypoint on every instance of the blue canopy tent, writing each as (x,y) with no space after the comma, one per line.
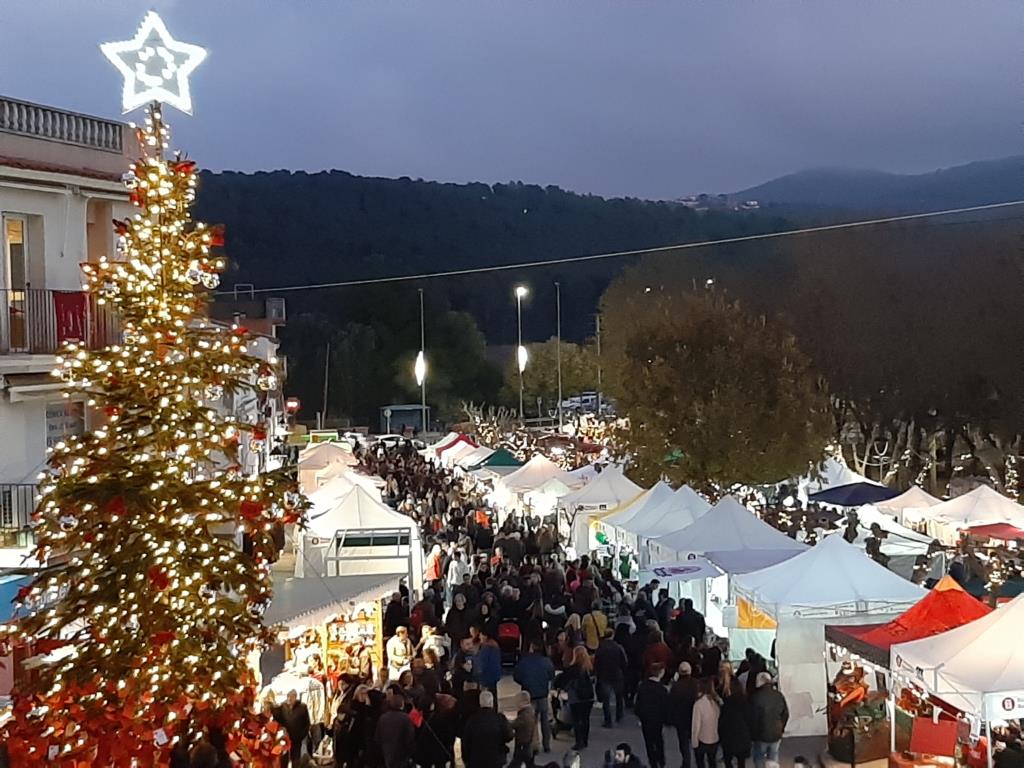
(854,494)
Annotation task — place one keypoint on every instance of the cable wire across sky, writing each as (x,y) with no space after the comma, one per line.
(635,252)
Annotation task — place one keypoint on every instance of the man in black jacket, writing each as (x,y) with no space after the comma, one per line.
(295,717)
(396,735)
(610,665)
(652,707)
(485,738)
(681,699)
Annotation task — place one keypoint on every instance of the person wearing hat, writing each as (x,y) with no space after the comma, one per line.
(610,666)
(769,715)
(681,698)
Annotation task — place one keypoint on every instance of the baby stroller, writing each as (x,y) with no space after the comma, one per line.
(510,642)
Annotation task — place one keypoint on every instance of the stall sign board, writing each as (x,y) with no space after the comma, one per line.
(1004,706)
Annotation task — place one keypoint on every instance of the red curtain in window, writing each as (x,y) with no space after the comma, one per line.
(71,308)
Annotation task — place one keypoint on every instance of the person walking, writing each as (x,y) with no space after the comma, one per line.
(486,736)
(395,734)
(734,726)
(593,626)
(681,699)
(295,717)
(651,707)
(534,672)
(704,728)
(525,729)
(487,664)
(610,666)
(578,683)
(769,715)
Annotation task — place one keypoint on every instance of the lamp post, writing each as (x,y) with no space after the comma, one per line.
(521,354)
(420,369)
(558,347)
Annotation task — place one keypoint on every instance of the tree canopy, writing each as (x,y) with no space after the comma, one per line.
(540,379)
(714,395)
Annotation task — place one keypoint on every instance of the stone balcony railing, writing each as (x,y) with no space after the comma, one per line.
(26,119)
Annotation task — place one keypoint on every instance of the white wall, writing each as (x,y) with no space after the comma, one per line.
(23,449)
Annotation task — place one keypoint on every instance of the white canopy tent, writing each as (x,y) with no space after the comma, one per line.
(451,455)
(308,602)
(981,506)
(360,535)
(612,523)
(475,458)
(977,668)
(322,458)
(535,473)
(606,491)
(911,499)
(831,472)
(834,582)
(731,537)
(681,510)
(586,473)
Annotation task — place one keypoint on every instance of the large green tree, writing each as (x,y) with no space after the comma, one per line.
(714,395)
(540,379)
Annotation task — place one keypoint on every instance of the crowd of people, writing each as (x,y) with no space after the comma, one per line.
(501,598)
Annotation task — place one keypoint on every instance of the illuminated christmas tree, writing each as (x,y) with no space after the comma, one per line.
(144,630)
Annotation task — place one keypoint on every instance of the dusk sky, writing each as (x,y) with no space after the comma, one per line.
(651,98)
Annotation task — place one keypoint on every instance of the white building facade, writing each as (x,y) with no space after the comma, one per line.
(60,189)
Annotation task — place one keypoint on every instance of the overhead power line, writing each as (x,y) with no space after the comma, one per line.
(635,252)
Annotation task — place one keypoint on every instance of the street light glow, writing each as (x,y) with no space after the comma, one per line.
(420,369)
(523,356)
(521,291)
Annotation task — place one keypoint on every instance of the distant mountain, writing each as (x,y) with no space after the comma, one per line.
(979,183)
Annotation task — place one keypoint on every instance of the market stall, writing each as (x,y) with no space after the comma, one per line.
(679,511)
(474,458)
(911,499)
(330,639)
(975,671)
(609,489)
(360,535)
(858,655)
(736,541)
(900,547)
(833,582)
(981,506)
(832,472)
(313,462)
(611,522)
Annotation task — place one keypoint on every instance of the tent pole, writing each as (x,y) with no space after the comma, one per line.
(988,740)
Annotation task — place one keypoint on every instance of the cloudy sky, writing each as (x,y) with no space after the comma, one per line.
(654,98)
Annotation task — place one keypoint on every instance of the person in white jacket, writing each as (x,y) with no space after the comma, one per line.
(704,731)
(457,568)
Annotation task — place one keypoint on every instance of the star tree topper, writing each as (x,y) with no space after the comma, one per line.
(156,67)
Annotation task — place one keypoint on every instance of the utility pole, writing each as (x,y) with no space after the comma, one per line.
(598,338)
(327,366)
(558,346)
(421,372)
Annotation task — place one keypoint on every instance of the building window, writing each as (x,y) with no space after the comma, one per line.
(63,420)
(15,253)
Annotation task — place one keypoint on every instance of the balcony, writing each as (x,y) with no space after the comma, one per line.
(17,503)
(26,119)
(39,321)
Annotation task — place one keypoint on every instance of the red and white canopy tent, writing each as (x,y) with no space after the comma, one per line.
(977,668)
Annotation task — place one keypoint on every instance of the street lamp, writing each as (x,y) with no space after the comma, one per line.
(558,346)
(420,369)
(521,354)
